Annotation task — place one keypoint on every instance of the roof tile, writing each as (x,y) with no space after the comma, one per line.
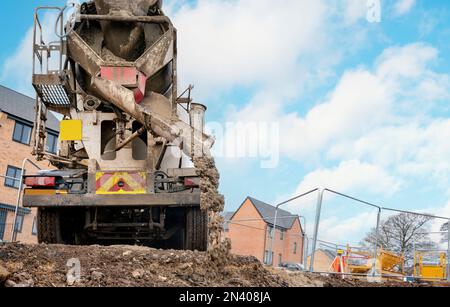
(285,219)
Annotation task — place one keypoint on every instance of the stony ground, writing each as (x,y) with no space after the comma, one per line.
(46,266)
(129,266)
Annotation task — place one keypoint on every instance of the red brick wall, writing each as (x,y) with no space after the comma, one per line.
(247,237)
(13,154)
(285,247)
(294,236)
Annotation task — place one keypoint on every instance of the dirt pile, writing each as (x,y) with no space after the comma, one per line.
(4,274)
(126,266)
(214,203)
(132,266)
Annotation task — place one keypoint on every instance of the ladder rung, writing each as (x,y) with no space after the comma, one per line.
(52,90)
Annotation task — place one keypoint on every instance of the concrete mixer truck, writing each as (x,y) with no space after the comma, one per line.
(123,171)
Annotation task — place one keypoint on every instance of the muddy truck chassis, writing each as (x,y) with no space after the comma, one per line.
(124,170)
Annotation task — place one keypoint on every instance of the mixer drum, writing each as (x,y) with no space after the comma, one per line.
(128,40)
(134,7)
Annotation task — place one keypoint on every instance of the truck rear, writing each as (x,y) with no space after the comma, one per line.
(124,171)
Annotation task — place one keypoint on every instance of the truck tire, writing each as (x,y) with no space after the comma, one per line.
(49,229)
(196,229)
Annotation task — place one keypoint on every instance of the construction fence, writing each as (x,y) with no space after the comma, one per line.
(424,255)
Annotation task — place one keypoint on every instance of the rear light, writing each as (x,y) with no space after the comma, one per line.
(40,181)
(191,183)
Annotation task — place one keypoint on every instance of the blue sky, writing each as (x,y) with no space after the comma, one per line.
(362,107)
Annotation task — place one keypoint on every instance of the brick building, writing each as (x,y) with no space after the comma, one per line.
(251,228)
(16,125)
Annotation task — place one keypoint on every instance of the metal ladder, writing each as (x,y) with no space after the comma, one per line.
(49,78)
(51,85)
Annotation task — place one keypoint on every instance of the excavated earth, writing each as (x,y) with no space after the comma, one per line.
(126,266)
(131,266)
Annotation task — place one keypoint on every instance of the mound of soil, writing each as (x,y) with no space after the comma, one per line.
(132,266)
(126,266)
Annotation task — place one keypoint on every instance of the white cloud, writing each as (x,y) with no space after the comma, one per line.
(247,42)
(350,176)
(410,150)
(408,61)
(379,124)
(403,6)
(347,231)
(354,10)
(362,101)
(378,112)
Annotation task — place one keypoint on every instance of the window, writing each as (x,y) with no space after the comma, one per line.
(51,145)
(19,224)
(22,133)
(282,235)
(13,172)
(268,258)
(280,260)
(34,229)
(295,248)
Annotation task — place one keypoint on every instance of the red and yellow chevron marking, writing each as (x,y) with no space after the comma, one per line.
(121,183)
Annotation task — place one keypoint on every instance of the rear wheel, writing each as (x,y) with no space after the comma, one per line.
(196,229)
(49,230)
(61,226)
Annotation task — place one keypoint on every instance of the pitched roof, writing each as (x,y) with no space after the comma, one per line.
(228,215)
(22,106)
(285,219)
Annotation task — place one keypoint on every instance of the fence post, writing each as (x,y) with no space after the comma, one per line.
(448,251)
(276,217)
(305,251)
(305,238)
(375,255)
(16,212)
(316,228)
(19,195)
(272,245)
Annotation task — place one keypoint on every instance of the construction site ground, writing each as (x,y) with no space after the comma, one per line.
(132,266)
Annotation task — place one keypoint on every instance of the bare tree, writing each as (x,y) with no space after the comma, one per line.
(400,233)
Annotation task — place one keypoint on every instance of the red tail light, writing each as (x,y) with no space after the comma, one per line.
(40,181)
